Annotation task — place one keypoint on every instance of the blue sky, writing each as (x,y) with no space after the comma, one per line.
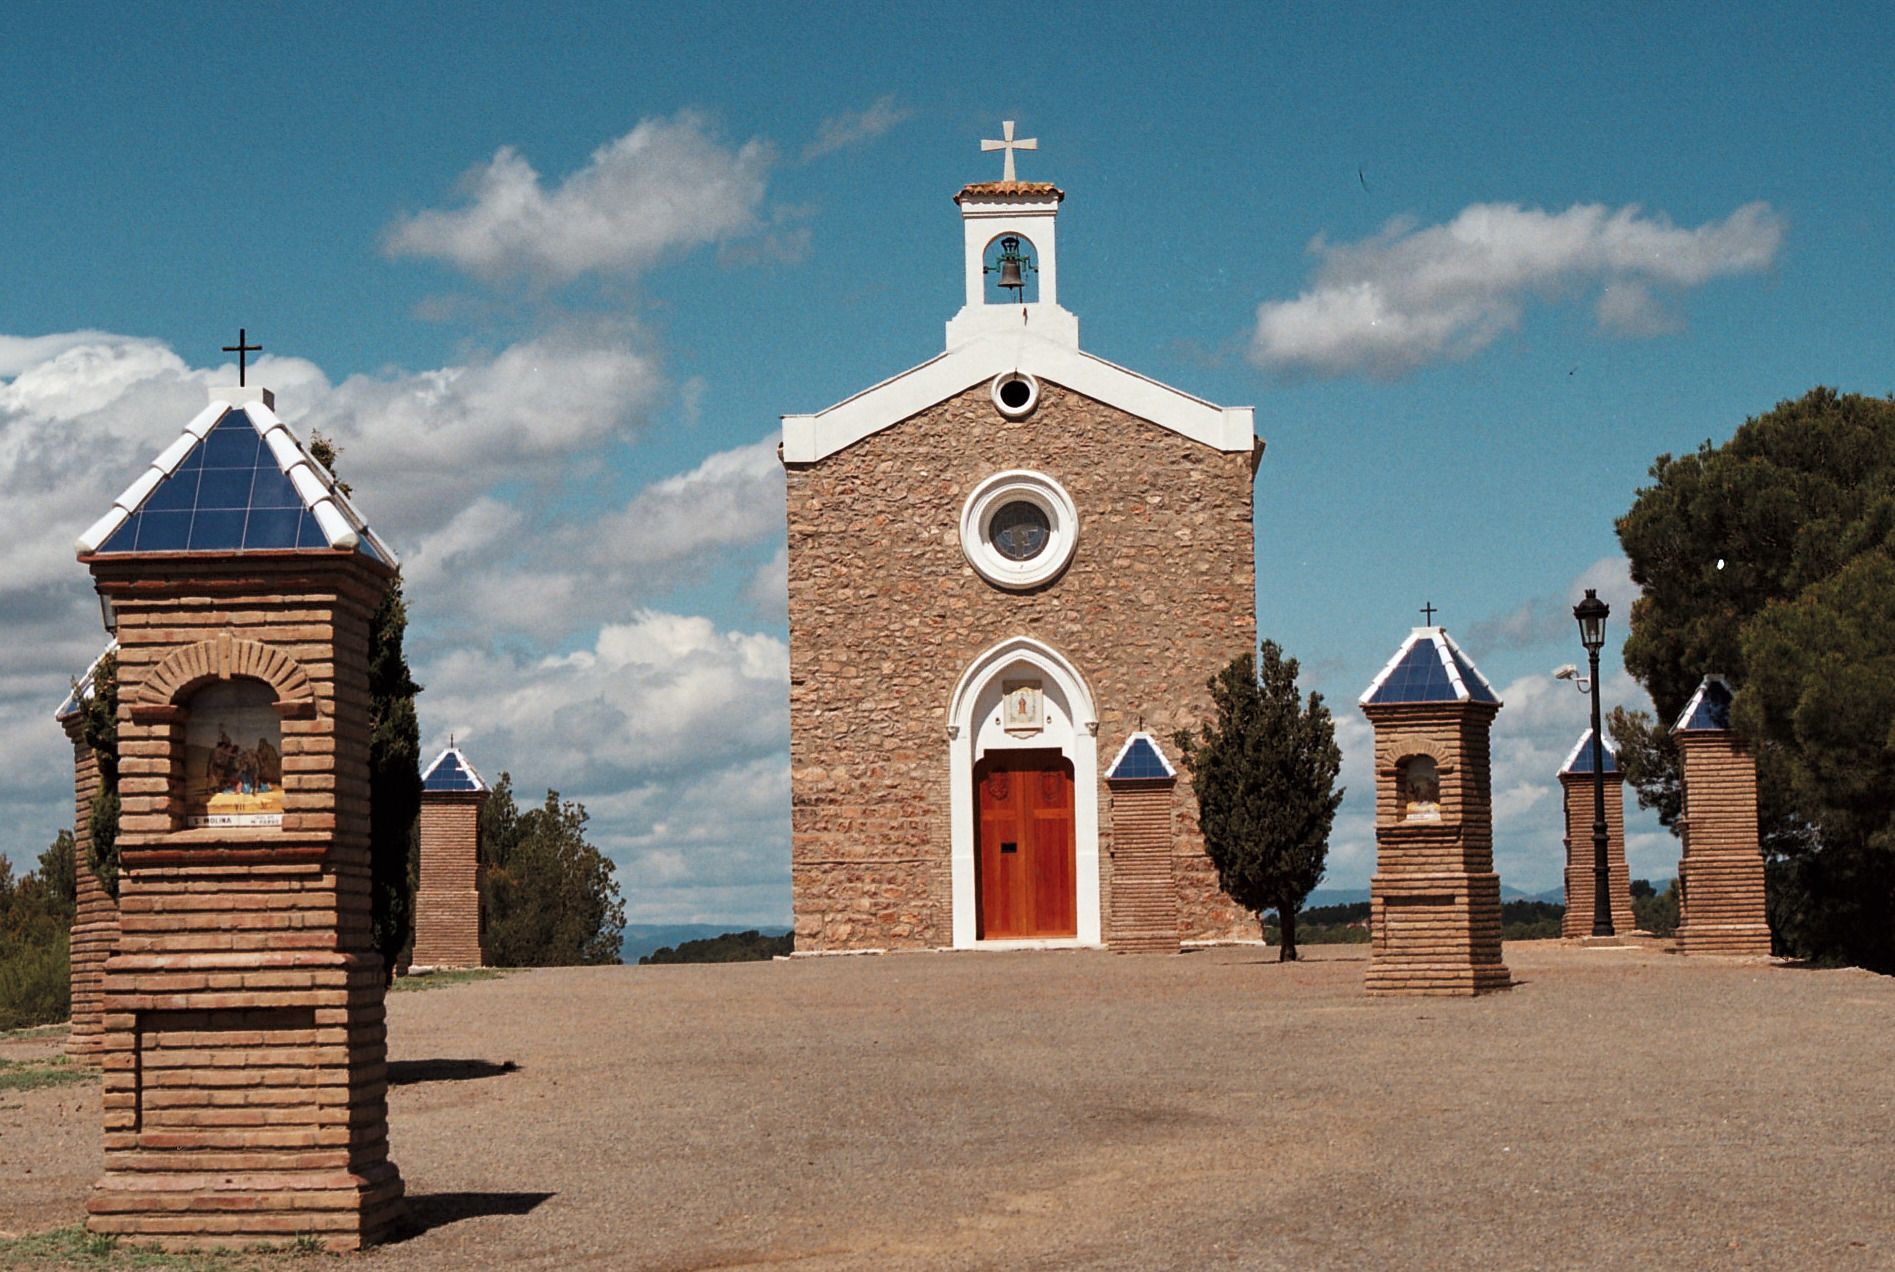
(551,275)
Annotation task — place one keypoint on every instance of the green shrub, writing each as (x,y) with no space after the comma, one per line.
(35,985)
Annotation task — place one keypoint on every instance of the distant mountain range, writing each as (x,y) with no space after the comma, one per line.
(642,938)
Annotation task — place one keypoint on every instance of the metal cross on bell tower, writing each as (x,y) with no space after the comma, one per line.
(1009,145)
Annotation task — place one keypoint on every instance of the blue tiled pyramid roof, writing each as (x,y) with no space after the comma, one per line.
(1429,667)
(1709,709)
(451,772)
(1579,760)
(236,481)
(1140,760)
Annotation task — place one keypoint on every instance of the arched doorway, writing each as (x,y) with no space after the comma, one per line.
(1024,810)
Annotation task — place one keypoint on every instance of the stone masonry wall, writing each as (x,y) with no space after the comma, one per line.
(1577,788)
(1721,872)
(94,931)
(447,895)
(245,1048)
(886,614)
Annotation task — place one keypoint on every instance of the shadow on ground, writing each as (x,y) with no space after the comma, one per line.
(407,1072)
(427,1211)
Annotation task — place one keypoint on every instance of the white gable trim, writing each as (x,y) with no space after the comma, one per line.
(480,783)
(809,438)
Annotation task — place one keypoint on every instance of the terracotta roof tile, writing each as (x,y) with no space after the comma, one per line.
(1014,189)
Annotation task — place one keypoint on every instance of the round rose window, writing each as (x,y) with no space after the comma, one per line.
(1020,530)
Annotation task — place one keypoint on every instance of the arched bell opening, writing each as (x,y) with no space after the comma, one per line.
(1010,263)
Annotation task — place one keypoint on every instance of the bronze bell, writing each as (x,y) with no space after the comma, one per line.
(1010,272)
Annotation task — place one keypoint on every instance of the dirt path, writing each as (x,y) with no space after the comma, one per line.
(1618,1109)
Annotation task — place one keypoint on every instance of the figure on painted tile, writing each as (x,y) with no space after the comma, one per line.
(1421,789)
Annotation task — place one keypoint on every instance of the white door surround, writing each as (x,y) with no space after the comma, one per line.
(974,728)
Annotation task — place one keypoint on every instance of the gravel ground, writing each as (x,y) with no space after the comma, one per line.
(1619,1108)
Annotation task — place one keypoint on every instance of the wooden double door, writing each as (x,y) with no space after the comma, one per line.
(1024,873)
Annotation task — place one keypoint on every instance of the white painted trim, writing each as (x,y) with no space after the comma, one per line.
(1005,378)
(1083,752)
(1439,640)
(994,493)
(1157,750)
(1455,674)
(809,438)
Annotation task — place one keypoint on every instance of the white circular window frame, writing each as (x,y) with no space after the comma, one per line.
(1013,377)
(995,493)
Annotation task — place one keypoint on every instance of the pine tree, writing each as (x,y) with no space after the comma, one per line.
(547,896)
(1265,774)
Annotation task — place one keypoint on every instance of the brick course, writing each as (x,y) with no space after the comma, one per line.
(94,930)
(244,1041)
(1721,872)
(886,614)
(447,895)
(1577,788)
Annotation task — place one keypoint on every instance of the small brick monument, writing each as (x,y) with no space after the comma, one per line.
(1721,873)
(1575,777)
(244,1052)
(94,930)
(1434,901)
(1144,882)
(447,896)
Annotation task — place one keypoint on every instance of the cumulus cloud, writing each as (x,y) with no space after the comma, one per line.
(1412,295)
(675,734)
(665,185)
(1548,619)
(852,128)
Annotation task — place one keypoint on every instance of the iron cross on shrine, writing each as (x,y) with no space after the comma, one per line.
(240,349)
(1009,145)
(1427,613)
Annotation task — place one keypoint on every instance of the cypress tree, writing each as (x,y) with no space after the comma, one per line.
(1265,774)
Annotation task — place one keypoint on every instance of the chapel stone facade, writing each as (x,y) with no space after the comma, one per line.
(244,1045)
(1720,875)
(1003,564)
(1576,783)
(1434,900)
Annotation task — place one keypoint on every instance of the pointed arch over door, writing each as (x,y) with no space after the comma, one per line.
(1056,732)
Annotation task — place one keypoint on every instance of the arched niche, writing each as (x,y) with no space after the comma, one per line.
(233,754)
(1418,788)
(993,258)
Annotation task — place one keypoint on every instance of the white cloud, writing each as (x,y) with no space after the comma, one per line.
(852,128)
(1548,620)
(733,497)
(1414,295)
(675,736)
(665,185)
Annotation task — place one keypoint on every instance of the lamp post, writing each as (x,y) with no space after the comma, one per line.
(1591,614)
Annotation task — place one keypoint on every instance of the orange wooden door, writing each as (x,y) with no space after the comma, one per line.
(1024,871)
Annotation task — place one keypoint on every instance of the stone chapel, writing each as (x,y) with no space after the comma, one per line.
(1012,570)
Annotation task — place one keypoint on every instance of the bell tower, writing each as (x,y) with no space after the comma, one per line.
(1011,254)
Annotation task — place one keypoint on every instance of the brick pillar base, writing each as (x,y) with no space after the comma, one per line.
(1435,934)
(1144,918)
(1579,866)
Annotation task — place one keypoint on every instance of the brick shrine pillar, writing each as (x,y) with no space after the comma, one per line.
(1141,786)
(1721,874)
(1575,779)
(94,930)
(1434,901)
(245,1046)
(447,897)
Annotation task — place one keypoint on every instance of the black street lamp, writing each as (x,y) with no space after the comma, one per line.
(1591,614)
